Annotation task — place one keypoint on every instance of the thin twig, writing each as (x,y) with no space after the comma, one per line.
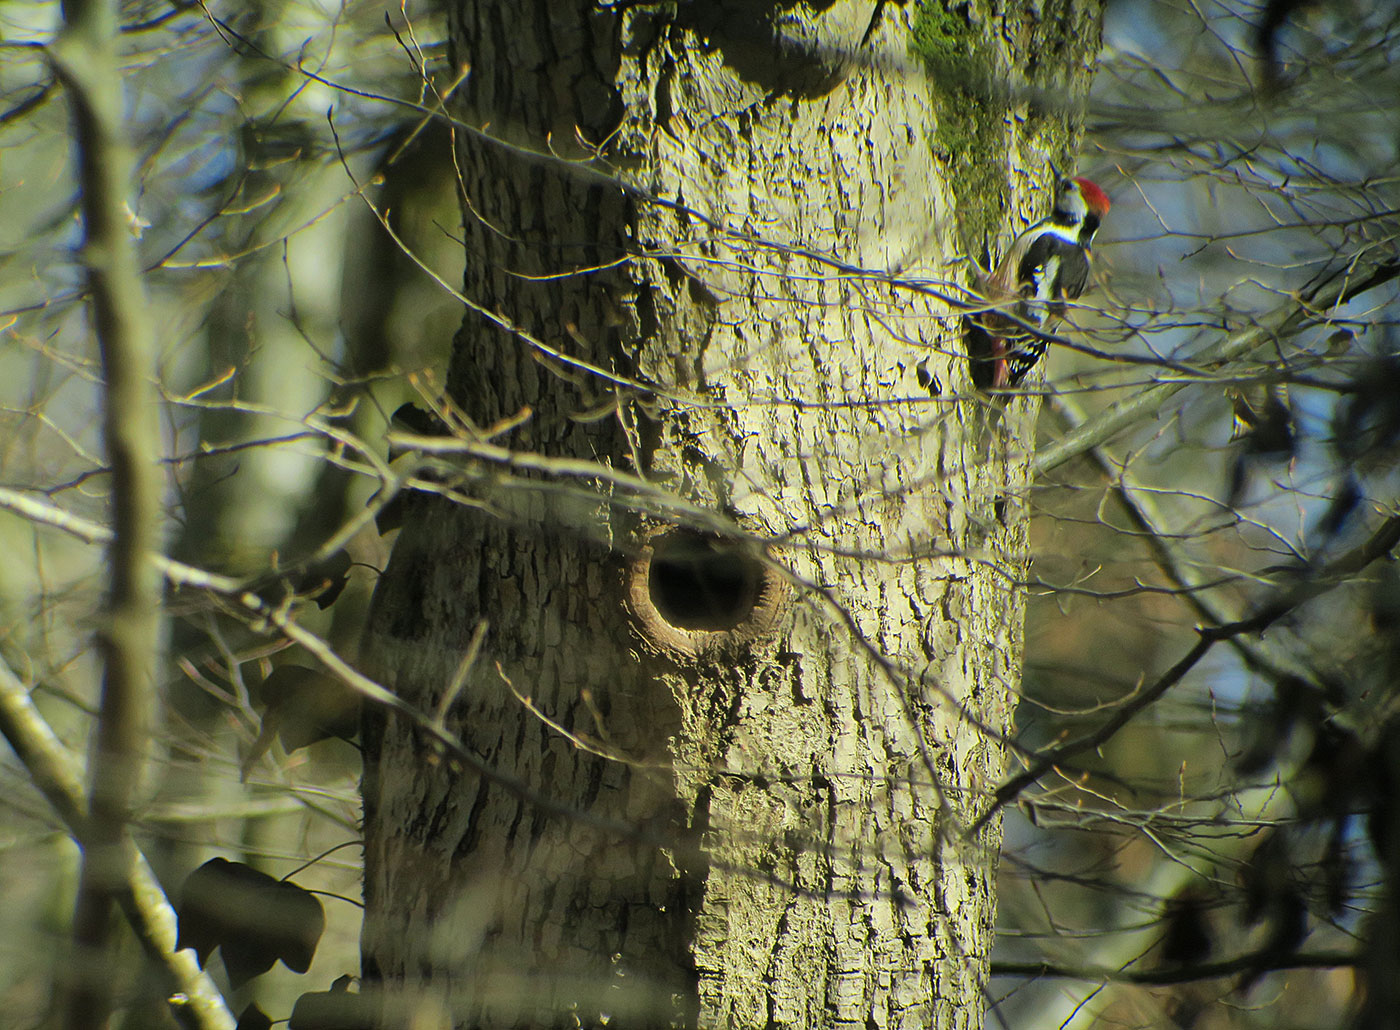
(1285,320)
(1141,510)
(256,610)
(1285,600)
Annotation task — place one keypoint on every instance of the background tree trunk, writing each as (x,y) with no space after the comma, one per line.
(791,749)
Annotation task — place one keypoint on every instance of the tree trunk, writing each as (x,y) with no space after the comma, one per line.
(764,651)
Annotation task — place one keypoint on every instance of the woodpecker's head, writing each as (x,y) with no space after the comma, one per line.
(1079,202)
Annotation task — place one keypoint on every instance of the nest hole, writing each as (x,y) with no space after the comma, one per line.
(700,582)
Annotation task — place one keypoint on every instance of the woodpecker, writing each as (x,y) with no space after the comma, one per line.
(1045,266)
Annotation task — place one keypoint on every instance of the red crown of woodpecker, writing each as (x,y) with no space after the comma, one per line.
(1096,198)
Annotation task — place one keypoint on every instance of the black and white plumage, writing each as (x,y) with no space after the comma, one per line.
(1045,266)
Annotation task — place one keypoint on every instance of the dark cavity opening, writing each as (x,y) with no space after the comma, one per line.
(700,582)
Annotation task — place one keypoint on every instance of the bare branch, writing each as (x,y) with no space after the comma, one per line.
(1179,974)
(1142,511)
(85,60)
(1285,600)
(261,612)
(58,776)
(1146,403)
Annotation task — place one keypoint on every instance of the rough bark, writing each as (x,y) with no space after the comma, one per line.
(796,771)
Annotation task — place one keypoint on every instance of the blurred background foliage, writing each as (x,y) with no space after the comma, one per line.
(276,296)
(1250,151)
(1249,167)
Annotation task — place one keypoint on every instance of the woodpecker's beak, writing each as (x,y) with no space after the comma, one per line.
(1055,171)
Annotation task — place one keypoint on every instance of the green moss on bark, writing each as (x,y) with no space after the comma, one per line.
(970,137)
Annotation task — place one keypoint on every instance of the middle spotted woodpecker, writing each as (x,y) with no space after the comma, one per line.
(1046,266)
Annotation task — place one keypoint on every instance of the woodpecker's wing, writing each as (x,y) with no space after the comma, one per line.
(1004,280)
(1053,267)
